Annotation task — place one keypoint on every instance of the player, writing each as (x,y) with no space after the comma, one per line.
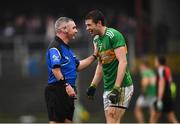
(112,67)
(164,102)
(148,91)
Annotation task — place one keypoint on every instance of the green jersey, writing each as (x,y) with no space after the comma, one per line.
(151,88)
(111,40)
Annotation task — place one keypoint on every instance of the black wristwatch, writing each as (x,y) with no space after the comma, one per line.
(62,79)
(66,84)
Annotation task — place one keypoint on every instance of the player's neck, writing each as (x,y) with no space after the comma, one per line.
(161,66)
(102,30)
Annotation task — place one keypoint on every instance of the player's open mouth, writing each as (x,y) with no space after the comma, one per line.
(91,31)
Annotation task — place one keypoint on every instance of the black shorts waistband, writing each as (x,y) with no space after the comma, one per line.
(59,84)
(55,83)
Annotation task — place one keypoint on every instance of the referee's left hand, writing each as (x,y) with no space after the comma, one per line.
(70,91)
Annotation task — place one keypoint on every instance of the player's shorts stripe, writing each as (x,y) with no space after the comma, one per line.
(118,106)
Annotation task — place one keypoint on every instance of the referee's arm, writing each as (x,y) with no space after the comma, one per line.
(57,73)
(86,62)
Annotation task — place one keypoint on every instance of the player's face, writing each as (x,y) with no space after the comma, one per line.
(91,27)
(141,67)
(71,29)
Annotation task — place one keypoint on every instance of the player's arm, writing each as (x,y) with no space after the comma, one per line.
(161,88)
(98,75)
(120,53)
(88,61)
(161,84)
(96,80)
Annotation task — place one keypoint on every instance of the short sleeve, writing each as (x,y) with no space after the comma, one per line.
(55,57)
(96,37)
(75,59)
(77,62)
(161,73)
(117,40)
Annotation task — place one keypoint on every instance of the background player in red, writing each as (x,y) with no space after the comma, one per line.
(164,101)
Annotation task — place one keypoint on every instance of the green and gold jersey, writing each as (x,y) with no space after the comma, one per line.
(151,88)
(111,40)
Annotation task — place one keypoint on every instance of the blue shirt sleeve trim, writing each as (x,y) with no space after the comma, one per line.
(55,57)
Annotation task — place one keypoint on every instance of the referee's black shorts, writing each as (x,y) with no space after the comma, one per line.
(59,105)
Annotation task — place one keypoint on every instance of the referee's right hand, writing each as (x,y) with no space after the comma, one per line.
(70,91)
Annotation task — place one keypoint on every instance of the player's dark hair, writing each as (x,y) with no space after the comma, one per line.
(96,16)
(161,60)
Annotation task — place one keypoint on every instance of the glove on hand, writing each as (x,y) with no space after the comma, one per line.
(114,96)
(158,104)
(91,91)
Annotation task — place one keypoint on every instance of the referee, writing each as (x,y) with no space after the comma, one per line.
(62,72)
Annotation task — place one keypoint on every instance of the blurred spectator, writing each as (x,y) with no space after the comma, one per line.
(162,35)
(50,33)
(111,17)
(146,36)
(126,25)
(34,65)
(122,24)
(20,25)
(9,30)
(34,25)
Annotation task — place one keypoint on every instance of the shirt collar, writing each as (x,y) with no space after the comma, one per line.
(60,41)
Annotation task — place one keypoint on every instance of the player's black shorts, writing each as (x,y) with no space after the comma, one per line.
(59,105)
(167,104)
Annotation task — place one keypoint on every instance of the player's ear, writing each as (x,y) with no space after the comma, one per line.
(99,22)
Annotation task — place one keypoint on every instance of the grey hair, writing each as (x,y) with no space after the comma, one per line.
(60,21)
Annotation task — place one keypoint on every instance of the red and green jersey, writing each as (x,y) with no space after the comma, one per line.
(111,40)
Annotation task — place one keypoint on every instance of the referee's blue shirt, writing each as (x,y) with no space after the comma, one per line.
(60,55)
